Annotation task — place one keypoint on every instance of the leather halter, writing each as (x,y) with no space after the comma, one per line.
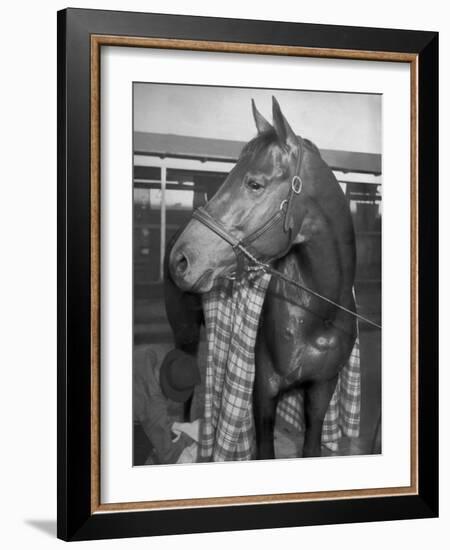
(284,214)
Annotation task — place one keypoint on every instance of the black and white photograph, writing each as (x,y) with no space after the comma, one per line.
(257,246)
(223,275)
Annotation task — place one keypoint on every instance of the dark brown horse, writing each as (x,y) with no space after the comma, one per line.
(281,205)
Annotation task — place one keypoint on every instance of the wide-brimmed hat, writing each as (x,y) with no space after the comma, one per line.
(178,375)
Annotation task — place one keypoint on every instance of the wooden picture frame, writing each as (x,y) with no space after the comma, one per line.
(81,35)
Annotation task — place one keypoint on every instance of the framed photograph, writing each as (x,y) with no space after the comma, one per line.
(247,256)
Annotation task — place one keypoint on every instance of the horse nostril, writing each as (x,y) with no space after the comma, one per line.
(181,263)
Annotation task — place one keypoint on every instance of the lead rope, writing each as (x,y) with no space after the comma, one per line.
(260,266)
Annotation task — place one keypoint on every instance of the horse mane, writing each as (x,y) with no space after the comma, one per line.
(311,146)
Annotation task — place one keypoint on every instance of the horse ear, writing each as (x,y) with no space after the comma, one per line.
(261,123)
(284,132)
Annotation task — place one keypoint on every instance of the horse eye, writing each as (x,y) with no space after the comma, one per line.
(254,185)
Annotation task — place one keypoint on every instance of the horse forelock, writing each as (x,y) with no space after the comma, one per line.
(260,142)
(266,145)
(263,141)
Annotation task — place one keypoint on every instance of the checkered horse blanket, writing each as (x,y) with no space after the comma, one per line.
(232,310)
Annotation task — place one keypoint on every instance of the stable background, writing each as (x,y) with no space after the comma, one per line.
(28,274)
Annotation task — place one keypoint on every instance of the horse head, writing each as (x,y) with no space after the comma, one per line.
(261,205)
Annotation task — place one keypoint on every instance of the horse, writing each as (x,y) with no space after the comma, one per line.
(281,206)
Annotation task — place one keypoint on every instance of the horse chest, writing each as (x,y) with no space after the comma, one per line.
(284,328)
(301,346)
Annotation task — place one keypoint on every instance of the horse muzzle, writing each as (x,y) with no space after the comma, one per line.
(198,257)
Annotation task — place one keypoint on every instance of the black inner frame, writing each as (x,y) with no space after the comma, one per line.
(75,521)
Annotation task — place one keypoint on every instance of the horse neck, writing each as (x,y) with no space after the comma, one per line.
(319,263)
(326,258)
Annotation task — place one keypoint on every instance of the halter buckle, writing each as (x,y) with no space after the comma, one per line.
(283,204)
(297,184)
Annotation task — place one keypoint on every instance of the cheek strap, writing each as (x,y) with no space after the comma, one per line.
(294,191)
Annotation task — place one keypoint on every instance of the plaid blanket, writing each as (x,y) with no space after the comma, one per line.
(232,310)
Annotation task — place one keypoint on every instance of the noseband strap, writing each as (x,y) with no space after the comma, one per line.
(201,215)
